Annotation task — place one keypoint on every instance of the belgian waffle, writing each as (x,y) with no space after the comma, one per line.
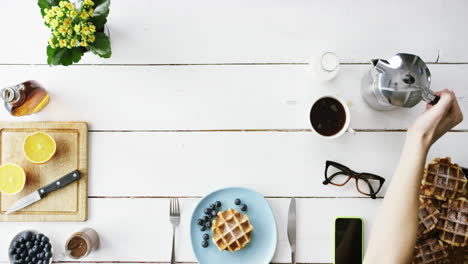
(429,251)
(453,223)
(443,179)
(428,216)
(231,230)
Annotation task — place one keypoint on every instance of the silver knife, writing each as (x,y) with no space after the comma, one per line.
(292,229)
(44,191)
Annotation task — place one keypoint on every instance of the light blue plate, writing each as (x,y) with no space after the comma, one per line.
(261,248)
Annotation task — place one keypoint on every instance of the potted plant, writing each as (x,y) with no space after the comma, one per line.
(77,27)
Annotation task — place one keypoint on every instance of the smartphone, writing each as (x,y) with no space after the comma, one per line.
(349,240)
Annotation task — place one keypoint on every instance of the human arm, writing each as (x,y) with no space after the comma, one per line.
(394,233)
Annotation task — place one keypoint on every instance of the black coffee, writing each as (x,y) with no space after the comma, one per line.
(328,116)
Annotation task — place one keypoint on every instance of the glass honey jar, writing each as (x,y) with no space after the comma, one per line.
(25,98)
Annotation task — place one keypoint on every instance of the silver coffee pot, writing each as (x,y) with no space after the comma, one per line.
(402,81)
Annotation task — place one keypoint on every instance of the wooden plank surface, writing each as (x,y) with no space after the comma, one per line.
(67,204)
(211,97)
(139,229)
(274,163)
(245,31)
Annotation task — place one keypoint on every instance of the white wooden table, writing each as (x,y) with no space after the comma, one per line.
(204,94)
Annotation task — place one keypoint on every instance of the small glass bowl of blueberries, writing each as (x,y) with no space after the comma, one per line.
(210,214)
(30,247)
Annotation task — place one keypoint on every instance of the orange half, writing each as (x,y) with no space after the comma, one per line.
(39,147)
(12,178)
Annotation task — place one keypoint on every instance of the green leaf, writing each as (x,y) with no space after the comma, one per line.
(63,56)
(101,45)
(43,4)
(101,10)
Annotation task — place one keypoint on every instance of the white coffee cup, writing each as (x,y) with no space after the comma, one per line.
(345,127)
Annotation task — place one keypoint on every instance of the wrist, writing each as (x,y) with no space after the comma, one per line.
(417,141)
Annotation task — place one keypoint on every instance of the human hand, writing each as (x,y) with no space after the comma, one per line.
(437,119)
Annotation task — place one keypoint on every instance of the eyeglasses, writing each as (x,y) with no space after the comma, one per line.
(366,183)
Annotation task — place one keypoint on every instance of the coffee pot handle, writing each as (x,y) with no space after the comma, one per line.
(435,100)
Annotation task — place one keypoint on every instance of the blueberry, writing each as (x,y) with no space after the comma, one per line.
(237,202)
(22,245)
(40,255)
(212,206)
(206,237)
(19,250)
(29,244)
(200,222)
(34,259)
(204,244)
(30,263)
(208,224)
(23,255)
(48,247)
(16,244)
(21,240)
(206,219)
(40,262)
(209,217)
(28,236)
(31,253)
(19,261)
(35,248)
(218,204)
(207,211)
(27,259)
(214,213)
(243,207)
(47,255)
(16,256)
(36,242)
(202,228)
(45,239)
(12,251)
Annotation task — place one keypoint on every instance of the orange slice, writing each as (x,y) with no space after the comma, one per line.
(12,178)
(39,147)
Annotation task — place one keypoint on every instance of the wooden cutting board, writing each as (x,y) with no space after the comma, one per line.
(67,204)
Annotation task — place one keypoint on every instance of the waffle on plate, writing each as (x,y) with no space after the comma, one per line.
(453,223)
(428,251)
(231,230)
(443,180)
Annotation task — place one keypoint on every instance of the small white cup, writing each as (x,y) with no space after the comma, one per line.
(345,128)
(325,65)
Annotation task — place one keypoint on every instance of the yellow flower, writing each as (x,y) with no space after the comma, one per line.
(47,19)
(62,3)
(50,13)
(92,28)
(76,28)
(89,2)
(56,9)
(91,12)
(56,33)
(91,38)
(67,22)
(70,6)
(54,23)
(51,41)
(84,43)
(73,13)
(73,42)
(63,43)
(84,15)
(85,30)
(63,29)
(70,32)
(60,14)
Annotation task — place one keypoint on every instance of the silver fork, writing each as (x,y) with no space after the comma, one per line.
(174,216)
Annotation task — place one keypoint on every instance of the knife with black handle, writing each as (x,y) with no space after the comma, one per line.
(44,191)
